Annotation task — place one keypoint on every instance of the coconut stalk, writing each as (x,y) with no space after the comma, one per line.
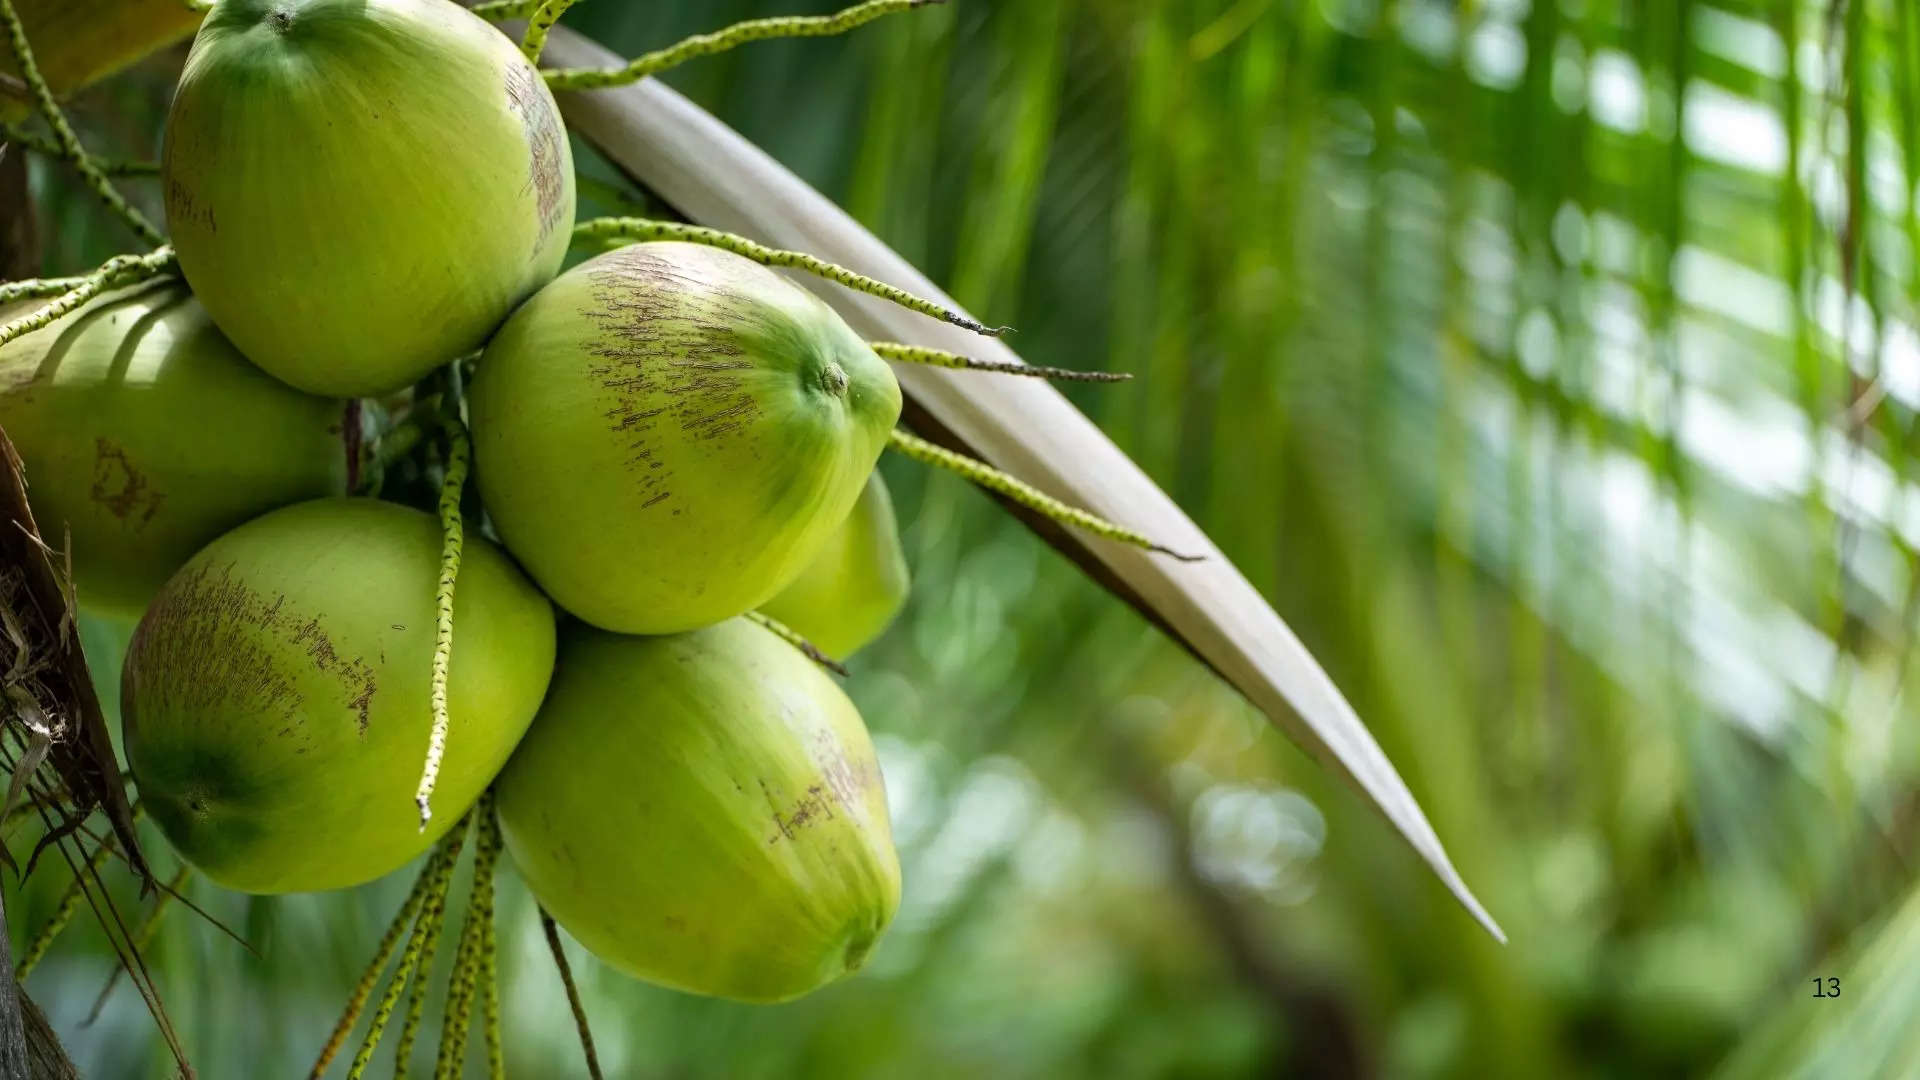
(80,42)
(715,177)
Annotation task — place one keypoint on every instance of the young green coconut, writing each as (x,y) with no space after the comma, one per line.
(665,434)
(275,696)
(854,586)
(145,435)
(360,189)
(704,811)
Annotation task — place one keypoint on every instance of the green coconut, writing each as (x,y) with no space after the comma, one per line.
(275,696)
(704,811)
(145,435)
(666,434)
(360,190)
(855,584)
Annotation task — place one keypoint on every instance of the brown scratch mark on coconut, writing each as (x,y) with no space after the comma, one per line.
(120,487)
(540,126)
(816,805)
(672,355)
(210,645)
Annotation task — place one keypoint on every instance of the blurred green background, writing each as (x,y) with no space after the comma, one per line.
(1553,368)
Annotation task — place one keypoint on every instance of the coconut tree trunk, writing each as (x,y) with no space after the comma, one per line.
(13,1038)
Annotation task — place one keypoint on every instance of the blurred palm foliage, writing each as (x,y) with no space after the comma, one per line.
(1553,366)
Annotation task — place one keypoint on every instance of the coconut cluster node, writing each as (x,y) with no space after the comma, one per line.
(666,438)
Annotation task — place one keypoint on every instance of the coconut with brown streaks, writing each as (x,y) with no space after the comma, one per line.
(666,434)
(704,811)
(275,694)
(145,435)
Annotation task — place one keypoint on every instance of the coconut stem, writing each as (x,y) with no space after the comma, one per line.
(438,875)
(357,1001)
(1023,493)
(36,949)
(490,947)
(142,937)
(507,9)
(435,924)
(544,17)
(469,962)
(37,288)
(197,5)
(64,137)
(119,270)
(40,144)
(453,536)
(573,994)
(392,448)
(792,637)
(740,33)
(644,229)
(915,354)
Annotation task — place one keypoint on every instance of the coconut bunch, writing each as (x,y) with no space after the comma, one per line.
(611,651)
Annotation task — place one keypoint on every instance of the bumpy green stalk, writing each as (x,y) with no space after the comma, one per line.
(69,143)
(40,144)
(38,288)
(490,951)
(62,915)
(507,9)
(643,229)
(544,17)
(434,925)
(363,989)
(573,994)
(119,270)
(439,875)
(467,962)
(1023,493)
(453,538)
(915,354)
(721,40)
(790,636)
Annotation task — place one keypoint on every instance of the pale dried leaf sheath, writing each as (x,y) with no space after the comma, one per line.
(453,538)
(741,33)
(63,133)
(1024,426)
(643,229)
